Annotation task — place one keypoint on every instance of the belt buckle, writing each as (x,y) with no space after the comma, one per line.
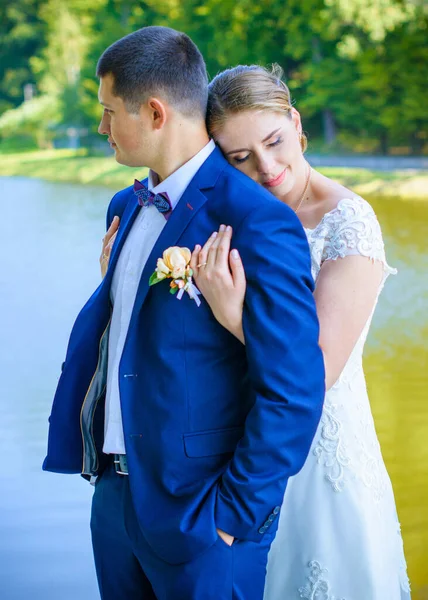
(121,464)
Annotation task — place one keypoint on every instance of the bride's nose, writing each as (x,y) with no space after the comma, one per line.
(264,165)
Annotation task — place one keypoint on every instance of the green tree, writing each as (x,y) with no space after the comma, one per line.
(357,68)
(69,26)
(392,81)
(21,36)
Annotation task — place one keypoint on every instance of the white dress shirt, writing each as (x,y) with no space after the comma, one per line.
(126,279)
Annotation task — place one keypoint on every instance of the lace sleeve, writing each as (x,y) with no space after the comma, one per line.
(353,229)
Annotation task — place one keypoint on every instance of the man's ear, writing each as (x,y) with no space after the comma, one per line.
(157,111)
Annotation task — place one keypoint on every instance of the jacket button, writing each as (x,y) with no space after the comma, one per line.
(262,529)
(276,510)
(271,519)
(267,524)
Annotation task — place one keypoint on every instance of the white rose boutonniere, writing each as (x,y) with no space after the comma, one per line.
(175,265)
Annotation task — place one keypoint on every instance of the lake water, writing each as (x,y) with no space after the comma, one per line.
(50,243)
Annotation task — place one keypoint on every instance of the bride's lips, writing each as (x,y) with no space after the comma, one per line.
(277,181)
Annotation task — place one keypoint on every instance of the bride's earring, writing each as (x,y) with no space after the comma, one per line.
(302,140)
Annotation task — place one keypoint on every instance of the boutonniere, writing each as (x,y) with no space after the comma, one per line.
(175,265)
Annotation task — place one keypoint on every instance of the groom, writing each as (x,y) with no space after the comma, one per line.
(189,436)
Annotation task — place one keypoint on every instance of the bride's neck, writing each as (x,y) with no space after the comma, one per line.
(294,197)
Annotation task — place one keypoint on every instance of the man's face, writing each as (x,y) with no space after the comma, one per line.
(128,133)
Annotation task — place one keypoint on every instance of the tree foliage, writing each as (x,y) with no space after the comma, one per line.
(357,68)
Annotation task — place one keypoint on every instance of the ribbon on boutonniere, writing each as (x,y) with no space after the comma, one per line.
(175,265)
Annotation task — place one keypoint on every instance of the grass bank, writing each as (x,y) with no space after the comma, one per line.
(79,167)
(74,166)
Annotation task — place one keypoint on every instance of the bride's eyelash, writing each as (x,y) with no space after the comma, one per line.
(275,143)
(241,160)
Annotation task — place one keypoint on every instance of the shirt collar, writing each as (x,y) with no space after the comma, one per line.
(175,185)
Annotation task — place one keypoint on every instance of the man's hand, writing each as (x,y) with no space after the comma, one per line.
(108,241)
(228,539)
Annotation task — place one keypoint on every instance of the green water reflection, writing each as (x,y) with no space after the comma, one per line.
(396,361)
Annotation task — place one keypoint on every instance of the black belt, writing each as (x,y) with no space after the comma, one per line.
(121,464)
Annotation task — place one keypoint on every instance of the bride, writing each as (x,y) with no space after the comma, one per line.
(338,536)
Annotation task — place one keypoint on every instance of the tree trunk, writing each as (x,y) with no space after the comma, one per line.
(383,141)
(416,143)
(329,126)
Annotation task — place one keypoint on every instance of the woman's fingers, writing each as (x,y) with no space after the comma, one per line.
(112,230)
(106,251)
(237,268)
(194,261)
(203,254)
(213,257)
(109,246)
(223,248)
(212,253)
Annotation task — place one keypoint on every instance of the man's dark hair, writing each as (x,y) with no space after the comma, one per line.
(157,60)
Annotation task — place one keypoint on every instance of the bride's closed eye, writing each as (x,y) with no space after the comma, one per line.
(241,160)
(277,142)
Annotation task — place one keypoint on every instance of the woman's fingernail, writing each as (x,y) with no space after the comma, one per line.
(197,248)
(214,234)
(228,229)
(222,227)
(235,254)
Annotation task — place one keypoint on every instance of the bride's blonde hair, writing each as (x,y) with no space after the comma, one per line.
(248,88)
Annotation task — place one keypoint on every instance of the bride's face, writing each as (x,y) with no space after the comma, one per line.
(265,146)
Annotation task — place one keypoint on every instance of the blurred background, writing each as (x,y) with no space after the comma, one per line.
(358,72)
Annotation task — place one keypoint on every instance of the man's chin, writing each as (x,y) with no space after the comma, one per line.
(121,159)
(118,157)
(127,161)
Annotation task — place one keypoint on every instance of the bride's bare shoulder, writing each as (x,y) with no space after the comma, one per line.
(325,196)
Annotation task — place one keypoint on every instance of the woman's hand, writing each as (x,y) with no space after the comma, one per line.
(219,275)
(108,241)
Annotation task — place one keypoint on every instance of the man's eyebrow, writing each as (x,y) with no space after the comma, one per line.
(263,141)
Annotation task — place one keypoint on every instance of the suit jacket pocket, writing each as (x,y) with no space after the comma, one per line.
(210,443)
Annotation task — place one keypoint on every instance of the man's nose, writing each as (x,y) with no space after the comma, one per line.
(104,126)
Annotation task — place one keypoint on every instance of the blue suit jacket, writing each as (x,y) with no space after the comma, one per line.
(213,429)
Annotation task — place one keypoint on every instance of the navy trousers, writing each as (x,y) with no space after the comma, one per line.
(127,568)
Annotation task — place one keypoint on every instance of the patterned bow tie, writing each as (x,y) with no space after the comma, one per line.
(146,198)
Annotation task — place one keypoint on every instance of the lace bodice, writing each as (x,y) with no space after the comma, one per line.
(349,229)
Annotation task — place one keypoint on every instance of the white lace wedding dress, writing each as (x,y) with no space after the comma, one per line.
(338,534)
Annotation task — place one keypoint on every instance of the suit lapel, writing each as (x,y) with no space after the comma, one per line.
(190,203)
(186,209)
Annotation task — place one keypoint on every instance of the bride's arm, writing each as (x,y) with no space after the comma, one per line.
(345,295)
